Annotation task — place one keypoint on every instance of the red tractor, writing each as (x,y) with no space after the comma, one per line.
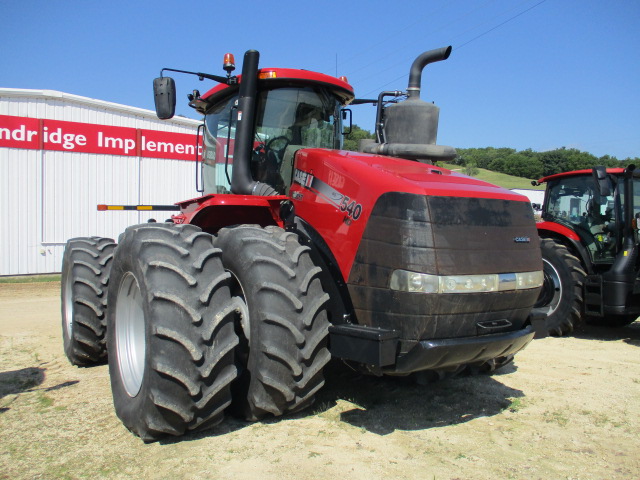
(589,241)
(298,252)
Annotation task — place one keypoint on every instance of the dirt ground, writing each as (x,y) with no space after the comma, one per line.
(568,409)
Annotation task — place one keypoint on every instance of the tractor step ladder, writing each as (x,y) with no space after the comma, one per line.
(593,305)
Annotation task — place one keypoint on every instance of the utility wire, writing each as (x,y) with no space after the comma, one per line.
(431,33)
(385,40)
(481,25)
(499,25)
(460,46)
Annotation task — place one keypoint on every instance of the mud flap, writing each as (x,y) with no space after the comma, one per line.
(537,321)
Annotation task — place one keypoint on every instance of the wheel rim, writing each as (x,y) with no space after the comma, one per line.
(130,334)
(238,291)
(551,293)
(68,304)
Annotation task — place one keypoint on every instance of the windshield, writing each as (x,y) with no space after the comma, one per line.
(305,116)
(575,202)
(287,119)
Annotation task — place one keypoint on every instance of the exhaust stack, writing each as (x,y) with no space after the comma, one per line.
(241,181)
(415,74)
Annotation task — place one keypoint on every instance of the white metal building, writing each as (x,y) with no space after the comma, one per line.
(61,155)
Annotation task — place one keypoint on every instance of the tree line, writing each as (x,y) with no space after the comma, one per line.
(533,165)
(520,163)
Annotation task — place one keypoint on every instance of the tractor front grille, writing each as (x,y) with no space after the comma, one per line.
(443,236)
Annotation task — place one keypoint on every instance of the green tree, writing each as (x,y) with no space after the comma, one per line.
(470,168)
(521,164)
(352,139)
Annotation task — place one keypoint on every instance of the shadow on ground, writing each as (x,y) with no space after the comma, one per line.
(629,334)
(386,404)
(15,382)
(18,381)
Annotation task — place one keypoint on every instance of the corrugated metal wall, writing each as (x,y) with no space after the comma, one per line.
(47,197)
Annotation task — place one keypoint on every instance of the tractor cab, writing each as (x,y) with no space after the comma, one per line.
(256,122)
(287,119)
(595,210)
(576,203)
(590,247)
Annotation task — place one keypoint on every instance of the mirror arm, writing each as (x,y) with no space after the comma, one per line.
(201,76)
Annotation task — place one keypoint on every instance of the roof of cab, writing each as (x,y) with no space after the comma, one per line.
(614,171)
(280,76)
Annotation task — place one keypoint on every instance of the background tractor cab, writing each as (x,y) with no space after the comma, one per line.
(590,247)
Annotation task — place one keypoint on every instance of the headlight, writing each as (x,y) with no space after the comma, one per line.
(527,280)
(404,280)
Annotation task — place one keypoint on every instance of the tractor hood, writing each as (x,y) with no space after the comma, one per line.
(337,193)
(381,174)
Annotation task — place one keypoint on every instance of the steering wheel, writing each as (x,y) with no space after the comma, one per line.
(276,147)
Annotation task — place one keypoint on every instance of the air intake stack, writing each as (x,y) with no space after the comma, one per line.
(409,129)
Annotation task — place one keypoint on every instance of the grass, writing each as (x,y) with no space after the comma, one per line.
(500,179)
(515,405)
(43,401)
(556,417)
(31,279)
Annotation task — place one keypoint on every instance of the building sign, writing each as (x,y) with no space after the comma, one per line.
(57,135)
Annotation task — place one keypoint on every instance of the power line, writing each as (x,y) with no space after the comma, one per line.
(501,24)
(490,21)
(385,39)
(464,44)
(431,33)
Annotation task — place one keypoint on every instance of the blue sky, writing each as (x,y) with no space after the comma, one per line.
(537,74)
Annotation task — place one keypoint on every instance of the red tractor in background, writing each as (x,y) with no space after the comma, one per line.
(298,251)
(589,242)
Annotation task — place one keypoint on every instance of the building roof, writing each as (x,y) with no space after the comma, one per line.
(91,102)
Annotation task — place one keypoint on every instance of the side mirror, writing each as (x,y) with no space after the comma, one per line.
(603,182)
(347,115)
(164,92)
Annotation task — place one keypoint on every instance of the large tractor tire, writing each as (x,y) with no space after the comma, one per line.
(86,267)
(561,295)
(171,335)
(284,325)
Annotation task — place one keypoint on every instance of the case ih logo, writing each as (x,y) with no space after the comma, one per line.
(41,134)
(303,178)
(522,239)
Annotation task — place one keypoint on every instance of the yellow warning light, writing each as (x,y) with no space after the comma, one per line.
(229,63)
(344,79)
(267,74)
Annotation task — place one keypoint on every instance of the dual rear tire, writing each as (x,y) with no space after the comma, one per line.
(284,325)
(196,324)
(171,335)
(86,267)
